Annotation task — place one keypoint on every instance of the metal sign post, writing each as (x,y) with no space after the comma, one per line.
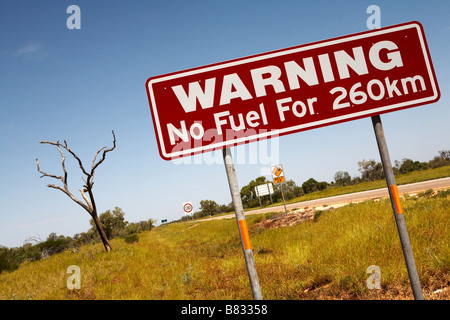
(188,208)
(396,206)
(259,197)
(282,196)
(242,224)
(278,178)
(270,193)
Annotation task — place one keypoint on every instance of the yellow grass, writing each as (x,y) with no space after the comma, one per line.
(326,259)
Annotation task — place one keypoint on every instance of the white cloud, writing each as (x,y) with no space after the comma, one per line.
(33,51)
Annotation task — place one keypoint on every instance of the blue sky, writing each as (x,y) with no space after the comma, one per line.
(78,85)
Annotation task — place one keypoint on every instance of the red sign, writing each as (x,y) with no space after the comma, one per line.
(188,207)
(291,90)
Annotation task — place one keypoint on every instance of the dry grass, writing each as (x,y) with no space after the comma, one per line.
(322,259)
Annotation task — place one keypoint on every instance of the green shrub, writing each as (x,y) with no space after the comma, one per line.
(317,215)
(132,238)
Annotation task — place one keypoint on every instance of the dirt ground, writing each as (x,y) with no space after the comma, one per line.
(286,220)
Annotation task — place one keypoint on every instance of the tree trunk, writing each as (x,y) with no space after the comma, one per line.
(101,232)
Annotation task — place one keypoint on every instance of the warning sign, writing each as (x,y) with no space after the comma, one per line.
(291,90)
(277,174)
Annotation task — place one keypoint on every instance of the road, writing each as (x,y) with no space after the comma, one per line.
(352,197)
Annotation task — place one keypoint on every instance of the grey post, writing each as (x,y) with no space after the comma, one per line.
(399,217)
(240,218)
(259,198)
(270,194)
(282,196)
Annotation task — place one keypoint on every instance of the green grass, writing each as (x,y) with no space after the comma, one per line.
(322,259)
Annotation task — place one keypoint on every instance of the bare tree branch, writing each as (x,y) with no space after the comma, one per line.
(86,199)
(67,192)
(46,174)
(49,142)
(104,154)
(93,161)
(63,165)
(65,146)
(58,145)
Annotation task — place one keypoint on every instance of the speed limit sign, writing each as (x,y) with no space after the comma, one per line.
(188,207)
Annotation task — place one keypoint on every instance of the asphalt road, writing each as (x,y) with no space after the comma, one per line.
(352,197)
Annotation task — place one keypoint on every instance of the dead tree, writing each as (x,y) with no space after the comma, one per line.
(89,203)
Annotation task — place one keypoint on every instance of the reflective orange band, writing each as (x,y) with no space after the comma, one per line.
(244,233)
(398,205)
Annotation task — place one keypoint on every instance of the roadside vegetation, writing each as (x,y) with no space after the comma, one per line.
(323,258)
(371,177)
(34,248)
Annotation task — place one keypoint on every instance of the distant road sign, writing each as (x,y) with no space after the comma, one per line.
(291,90)
(278,180)
(187,207)
(277,174)
(164,221)
(264,189)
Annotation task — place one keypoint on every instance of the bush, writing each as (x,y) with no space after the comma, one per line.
(317,215)
(132,238)
(8,260)
(312,185)
(54,244)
